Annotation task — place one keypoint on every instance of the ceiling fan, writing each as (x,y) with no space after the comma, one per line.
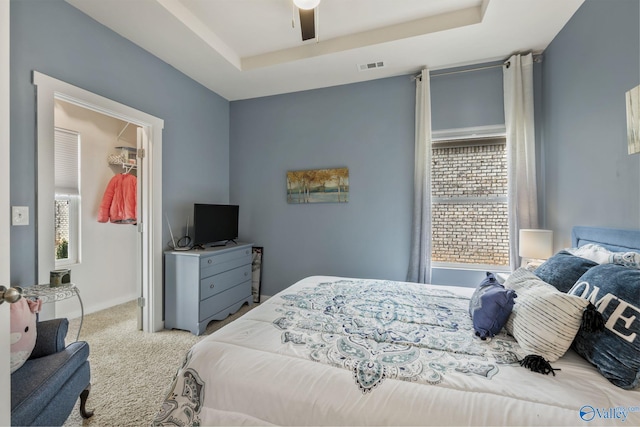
(307,9)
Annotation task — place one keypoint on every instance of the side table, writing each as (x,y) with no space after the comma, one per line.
(48,294)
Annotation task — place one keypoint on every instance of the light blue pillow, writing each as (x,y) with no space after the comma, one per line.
(615,291)
(490,306)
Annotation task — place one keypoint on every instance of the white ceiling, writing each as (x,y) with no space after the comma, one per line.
(248,48)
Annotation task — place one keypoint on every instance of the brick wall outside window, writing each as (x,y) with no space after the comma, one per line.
(469,208)
(61,221)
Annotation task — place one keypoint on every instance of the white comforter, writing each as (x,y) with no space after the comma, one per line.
(337,351)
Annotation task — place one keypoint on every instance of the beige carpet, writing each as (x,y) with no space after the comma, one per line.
(130,370)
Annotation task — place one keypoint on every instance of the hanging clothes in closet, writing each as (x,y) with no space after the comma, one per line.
(119,201)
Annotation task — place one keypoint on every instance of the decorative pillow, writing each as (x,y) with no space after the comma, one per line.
(628,259)
(563,270)
(23,330)
(615,291)
(602,255)
(544,320)
(591,251)
(490,306)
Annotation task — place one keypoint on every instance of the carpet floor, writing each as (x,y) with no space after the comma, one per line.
(131,370)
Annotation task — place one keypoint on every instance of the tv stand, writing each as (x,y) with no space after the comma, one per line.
(206,284)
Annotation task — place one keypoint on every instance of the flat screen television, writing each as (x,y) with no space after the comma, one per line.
(214,224)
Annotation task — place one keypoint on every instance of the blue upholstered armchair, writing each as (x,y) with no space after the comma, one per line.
(45,389)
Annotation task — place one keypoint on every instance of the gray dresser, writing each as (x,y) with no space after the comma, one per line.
(206,285)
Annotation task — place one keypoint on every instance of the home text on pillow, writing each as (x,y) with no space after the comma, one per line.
(591,292)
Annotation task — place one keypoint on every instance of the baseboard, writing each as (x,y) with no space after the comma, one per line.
(73,314)
(263,298)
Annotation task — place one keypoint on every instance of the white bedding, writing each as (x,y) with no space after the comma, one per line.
(398,354)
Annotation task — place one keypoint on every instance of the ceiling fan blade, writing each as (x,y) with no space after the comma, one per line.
(307,24)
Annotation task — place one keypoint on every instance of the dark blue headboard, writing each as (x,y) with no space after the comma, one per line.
(614,239)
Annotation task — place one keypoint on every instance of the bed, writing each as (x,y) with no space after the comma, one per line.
(349,351)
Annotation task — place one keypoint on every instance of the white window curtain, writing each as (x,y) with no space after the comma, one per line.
(521,153)
(420,256)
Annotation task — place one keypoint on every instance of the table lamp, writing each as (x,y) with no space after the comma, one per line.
(535,247)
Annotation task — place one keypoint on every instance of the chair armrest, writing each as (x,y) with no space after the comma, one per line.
(50,337)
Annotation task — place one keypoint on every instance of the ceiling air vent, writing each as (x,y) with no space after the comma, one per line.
(371,66)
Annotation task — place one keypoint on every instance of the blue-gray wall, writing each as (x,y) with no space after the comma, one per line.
(590,178)
(467,99)
(58,40)
(367,127)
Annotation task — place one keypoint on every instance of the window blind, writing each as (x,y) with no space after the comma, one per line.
(67,162)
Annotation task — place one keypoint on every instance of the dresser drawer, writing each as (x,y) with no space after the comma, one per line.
(220,282)
(223,262)
(219,302)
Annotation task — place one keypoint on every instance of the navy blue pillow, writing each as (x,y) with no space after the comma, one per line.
(490,306)
(615,291)
(563,270)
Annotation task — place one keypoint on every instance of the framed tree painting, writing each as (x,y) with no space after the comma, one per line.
(318,186)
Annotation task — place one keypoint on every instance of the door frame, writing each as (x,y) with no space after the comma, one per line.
(5,201)
(150,222)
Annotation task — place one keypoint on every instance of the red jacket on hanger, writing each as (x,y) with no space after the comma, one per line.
(119,200)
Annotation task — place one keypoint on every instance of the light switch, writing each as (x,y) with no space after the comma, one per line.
(20,215)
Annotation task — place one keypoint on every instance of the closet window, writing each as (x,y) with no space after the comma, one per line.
(67,197)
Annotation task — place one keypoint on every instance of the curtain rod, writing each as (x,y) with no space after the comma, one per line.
(536,58)
(486,67)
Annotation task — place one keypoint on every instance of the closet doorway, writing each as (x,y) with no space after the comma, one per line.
(147,231)
(92,152)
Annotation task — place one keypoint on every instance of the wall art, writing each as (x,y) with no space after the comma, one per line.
(318,186)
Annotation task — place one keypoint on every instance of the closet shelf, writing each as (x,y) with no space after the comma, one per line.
(129,149)
(126,157)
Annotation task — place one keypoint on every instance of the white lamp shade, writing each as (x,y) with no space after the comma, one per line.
(536,244)
(306,4)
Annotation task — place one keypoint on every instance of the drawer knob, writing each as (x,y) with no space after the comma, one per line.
(246,274)
(209,261)
(211,286)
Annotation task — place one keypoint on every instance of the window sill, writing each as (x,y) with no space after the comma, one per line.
(471,267)
(66,264)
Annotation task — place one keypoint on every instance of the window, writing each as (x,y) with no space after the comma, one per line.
(470,227)
(67,197)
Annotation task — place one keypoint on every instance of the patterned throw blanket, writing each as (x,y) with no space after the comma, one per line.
(384,329)
(375,329)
